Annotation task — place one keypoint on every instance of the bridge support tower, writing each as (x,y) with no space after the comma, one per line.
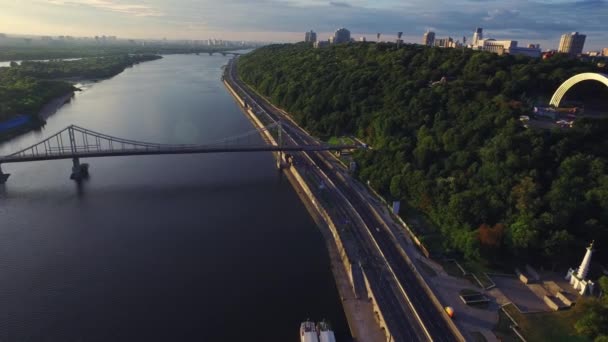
(282,162)
(79,171)
(3,176)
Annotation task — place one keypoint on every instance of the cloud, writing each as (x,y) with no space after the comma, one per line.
(137,10)
(500,14)
(541,21)
(340,4)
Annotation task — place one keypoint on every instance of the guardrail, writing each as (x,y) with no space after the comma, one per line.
(514,326)
(466,273)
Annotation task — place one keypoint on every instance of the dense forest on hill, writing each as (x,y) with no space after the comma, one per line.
(26,88)
(455,149)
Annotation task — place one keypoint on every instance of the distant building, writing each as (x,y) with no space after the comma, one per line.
(549,54)
(510,47)
(572,43)
(497,46)
(321,43)
(428,38)
(362,39)
(310,37)
(605,52)
(477,36)
(444,42)
(341,36)
(533,50)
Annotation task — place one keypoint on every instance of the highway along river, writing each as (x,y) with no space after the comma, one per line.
(159,248)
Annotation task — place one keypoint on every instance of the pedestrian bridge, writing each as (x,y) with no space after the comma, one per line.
(563,89)
(75,142)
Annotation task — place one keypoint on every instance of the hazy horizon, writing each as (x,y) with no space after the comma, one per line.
(286,21)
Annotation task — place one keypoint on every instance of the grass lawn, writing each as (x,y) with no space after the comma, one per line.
(451,268)
(550,326)
(503,329)
(340,141)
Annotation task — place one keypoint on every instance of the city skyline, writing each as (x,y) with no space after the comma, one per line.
(280,20)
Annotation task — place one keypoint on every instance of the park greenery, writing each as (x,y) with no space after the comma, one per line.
(25,89)
(446,140)
(594,322)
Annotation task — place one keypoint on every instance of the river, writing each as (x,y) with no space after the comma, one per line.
(159,248)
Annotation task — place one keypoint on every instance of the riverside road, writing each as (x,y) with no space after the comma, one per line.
(401,319)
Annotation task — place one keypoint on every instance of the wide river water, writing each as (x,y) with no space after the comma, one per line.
(159,248)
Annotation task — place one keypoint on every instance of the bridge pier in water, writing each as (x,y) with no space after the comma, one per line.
(79,171)
(3,176)
(280,160)
(284,160)
(85,143)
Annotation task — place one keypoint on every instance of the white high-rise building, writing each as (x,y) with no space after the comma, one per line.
(477,36)
(572,43)
(428,38)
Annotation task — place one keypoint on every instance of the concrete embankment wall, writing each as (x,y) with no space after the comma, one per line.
(257,123)
(302,183)
(298,181)
(377,310)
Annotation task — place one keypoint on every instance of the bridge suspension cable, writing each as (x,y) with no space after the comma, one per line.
(75,142)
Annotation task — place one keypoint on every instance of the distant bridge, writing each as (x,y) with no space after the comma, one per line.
(225,53)
(76,142)
(572,81)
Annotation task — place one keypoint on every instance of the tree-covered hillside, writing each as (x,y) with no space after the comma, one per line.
(454,149)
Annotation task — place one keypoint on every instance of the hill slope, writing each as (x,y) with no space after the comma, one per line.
(455,150)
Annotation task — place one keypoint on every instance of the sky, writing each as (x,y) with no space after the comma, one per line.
(537,21)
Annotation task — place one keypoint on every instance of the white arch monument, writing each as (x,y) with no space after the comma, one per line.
(563,89)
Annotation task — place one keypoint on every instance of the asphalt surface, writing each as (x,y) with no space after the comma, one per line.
(401,320)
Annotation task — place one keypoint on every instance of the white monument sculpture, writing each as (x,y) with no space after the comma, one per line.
(578,277)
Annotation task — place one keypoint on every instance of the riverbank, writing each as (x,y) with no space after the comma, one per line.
(53,106)
(37,90)
(360,311)
(37,121)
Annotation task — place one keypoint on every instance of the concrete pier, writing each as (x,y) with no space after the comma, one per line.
(3,176)
(79,171)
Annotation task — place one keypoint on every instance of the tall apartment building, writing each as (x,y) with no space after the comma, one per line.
(444,42)
(310,37)
(572,43)
(341,36)
(428,38)
(477,36)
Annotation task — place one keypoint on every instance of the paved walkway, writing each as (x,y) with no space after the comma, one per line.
(447,288)
(359,312)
